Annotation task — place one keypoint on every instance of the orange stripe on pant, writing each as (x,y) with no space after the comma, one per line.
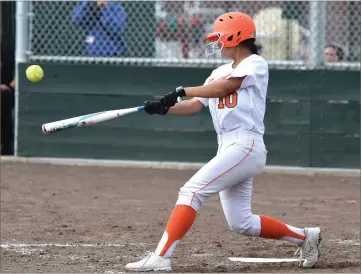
(246,156)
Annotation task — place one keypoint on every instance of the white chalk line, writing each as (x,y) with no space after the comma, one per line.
(16,245)
(8,245)
(26,247)
(31,248)
(347,242)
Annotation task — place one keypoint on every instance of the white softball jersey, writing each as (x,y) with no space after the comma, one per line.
(244,108)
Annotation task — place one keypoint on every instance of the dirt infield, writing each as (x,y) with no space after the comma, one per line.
(86,219)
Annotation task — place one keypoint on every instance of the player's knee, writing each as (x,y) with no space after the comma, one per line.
(241,227)
(188,197)
(248,226)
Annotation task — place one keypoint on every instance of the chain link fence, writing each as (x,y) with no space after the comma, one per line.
(290,34)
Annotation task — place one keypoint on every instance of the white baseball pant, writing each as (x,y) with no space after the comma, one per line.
(240,157)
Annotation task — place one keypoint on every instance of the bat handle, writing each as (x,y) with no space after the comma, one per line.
(139,108)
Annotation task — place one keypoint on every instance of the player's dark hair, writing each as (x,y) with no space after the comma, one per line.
(250,44)
(339,51)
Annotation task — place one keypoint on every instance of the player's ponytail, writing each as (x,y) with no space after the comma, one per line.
(250,44)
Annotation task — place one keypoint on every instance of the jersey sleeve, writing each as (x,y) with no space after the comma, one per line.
(249,70)
(205,101)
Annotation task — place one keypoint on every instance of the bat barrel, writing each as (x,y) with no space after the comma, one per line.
(57,126)
(87,120)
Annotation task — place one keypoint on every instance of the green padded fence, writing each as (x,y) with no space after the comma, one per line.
(312,118)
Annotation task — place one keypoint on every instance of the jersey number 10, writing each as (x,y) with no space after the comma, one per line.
(229,101)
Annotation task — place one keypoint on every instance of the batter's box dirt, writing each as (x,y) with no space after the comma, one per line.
(86,219)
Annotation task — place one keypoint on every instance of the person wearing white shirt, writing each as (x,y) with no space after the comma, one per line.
(236,96)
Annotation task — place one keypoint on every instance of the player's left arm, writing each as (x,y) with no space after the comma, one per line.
(215,90)
(212,90)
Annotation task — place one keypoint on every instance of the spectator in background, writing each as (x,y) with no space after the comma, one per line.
(281,38)
(104,23)
(333,53)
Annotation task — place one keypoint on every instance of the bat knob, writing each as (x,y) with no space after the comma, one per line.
(46,131)
(43,129)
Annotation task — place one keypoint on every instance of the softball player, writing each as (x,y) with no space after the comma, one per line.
(235,94)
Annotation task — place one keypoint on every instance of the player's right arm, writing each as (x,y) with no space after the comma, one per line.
(187,107)
(192,106)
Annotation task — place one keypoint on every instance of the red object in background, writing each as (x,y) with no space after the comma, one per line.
(185,27)
(185,31)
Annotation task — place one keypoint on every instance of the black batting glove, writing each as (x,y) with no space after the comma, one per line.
(170,99)
(155,107)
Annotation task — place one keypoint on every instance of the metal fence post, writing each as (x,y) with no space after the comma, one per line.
(21,48)
(317,34)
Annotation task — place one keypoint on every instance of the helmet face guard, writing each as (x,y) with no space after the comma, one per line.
(215,44)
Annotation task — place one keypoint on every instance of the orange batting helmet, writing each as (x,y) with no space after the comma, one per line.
(230,29)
